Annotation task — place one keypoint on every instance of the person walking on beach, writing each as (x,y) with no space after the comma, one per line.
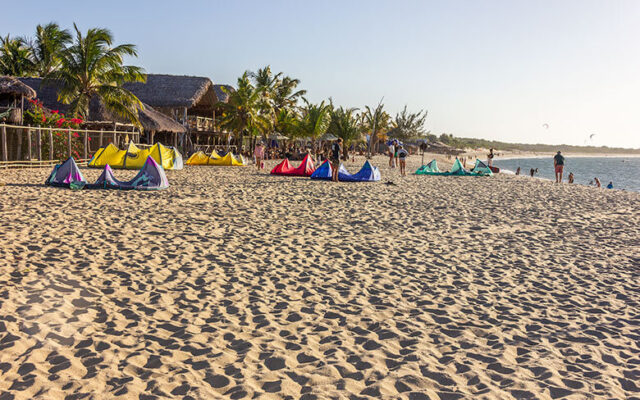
(336,149)
(570,177)
(490,158)
(402,157)
(258,153)
(558,164)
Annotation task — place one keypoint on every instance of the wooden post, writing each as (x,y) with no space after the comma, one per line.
(19,144)
(39,144)
(115,138)
(86,144)
(50,144)
(69,141)
(29,154)
(175,139)
(101,135)
(4,143)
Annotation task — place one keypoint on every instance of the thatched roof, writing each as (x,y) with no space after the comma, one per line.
(223,95)
(198,94)
(150,119)
(10,85)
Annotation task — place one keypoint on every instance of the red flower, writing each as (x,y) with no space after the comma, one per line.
(54,111)
(60,122)
(89,139)
(44,119)
(75,134)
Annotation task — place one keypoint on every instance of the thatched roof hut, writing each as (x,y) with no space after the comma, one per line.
(150,119)
(11,86)
(177,94)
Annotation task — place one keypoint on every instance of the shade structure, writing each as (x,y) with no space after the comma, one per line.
(134,157)
(150,177)
(200,158)
(324,171)
(306,168)
(368,173)
(67,175)
(428,169)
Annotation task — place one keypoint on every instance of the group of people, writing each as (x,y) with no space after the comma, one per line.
(398,156)
(558,166)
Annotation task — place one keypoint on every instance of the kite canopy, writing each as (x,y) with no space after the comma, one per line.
(324,171)
(457,169)
(428,169)
(368,173)
(150,177)
(481,169)
(306,168)
(67,175)
(200,158)
(134,157)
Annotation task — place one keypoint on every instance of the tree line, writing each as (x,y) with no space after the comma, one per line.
(88,64)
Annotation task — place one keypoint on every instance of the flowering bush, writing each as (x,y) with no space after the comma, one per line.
(37,115)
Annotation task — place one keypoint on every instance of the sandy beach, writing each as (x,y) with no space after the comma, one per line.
(236,284)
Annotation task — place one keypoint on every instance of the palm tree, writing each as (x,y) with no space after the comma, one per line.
(315,121)
(15,57)
(345,124)
(287,122)
(46,48)
(375,120)
(285,95)
(90,67)
(244,110)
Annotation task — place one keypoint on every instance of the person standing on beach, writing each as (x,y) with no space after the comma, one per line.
(391,151)
(336,149)
(597,182)
(490,158)
(518,171)
(402,157)
(558,164)
(258,153)
(396,146)
(610,185)
(570,177)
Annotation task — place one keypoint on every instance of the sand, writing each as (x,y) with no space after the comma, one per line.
(236,284)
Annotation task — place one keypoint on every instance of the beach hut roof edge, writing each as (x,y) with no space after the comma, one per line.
(10,85)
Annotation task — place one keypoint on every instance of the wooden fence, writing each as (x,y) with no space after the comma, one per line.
(79,143)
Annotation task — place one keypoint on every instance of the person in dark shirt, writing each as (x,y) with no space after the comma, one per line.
(558,163)
(571,177)
(402,156)
(336,149)
(610,185)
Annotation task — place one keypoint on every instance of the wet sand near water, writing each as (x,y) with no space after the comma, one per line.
(235,284)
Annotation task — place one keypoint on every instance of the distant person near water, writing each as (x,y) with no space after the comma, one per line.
(558,163)
(597,182)
(570,177)
(402,156)
(533,172)
(490,157)
(610,185)
(518,171)
(336,149)
(258,153)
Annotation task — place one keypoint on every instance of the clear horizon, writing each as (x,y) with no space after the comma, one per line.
(497,70)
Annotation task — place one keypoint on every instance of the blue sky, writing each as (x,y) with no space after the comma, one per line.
(490,69)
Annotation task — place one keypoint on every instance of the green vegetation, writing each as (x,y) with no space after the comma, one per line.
(471,143)
(86,66)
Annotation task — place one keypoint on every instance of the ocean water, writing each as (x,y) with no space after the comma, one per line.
(624,172)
